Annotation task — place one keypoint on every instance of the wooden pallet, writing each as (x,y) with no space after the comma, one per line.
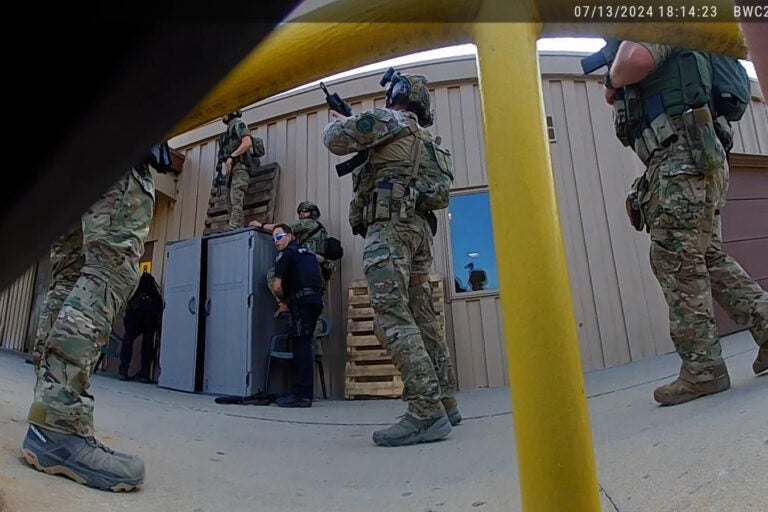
(259,203)
(370,371)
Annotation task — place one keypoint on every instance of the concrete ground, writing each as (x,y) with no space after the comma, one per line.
(707,455)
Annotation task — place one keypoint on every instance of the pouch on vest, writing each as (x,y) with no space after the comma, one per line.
(357,215)
(651,142)
(731,89)
(257,147)
(620,124)
(434,177)
(382,198)
(640,147)
(706,149)
(659,121)
(695,79)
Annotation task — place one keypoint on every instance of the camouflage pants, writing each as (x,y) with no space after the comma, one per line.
(237,189)
(95,270)
(396,260)
(687,257)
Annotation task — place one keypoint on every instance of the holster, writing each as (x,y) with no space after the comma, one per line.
(632,204)
(357,215)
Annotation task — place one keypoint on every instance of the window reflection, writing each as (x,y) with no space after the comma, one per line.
(472,248)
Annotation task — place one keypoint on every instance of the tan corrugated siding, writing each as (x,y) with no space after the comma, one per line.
(15,303)
(751,133)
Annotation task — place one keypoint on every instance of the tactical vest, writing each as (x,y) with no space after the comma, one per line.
(312,237)
(409,175)
(646,116)
(232,141)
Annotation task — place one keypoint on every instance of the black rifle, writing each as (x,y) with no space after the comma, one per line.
(342,107)
(603,57)
(219,179)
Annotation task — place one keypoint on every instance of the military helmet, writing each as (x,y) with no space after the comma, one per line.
(411,90)
(231,115)
(314,211)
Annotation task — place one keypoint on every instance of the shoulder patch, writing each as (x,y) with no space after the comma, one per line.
(365,124)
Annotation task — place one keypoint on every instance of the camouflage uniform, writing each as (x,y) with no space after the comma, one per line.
(397,257)
(315,243)
(302,227)
(680,204)
(240,175)
(95,270)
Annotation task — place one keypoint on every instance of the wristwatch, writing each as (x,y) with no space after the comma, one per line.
(607,81)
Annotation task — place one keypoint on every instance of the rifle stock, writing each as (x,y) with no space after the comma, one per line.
(347,166)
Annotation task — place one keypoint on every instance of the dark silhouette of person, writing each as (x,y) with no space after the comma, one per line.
(142,317)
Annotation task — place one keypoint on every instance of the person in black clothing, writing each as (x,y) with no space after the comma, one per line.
(142,317)
(298,281)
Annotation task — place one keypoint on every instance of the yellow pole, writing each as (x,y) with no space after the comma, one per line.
(554,445)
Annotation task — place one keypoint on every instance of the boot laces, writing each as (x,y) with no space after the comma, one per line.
(95,443)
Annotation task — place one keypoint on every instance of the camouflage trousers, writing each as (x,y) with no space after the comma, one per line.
(95,270)
(681,208)
(396,260)
(237,189)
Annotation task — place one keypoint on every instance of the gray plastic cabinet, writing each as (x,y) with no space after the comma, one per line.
(218,321)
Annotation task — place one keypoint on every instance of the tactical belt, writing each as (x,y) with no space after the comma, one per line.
(304,292)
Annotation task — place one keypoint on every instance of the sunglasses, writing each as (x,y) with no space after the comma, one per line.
(279,236)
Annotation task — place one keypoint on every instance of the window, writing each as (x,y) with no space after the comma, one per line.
(551,129)
(472,249)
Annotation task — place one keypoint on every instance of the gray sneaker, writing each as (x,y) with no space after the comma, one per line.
(411,430)
(83,459)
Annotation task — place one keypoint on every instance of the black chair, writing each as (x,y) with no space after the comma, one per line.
(322,330)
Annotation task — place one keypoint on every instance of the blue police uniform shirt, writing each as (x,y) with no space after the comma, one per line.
(298,268)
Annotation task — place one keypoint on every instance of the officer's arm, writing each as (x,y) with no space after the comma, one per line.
(281,269)
(634,61)
(361,131)
(277,287)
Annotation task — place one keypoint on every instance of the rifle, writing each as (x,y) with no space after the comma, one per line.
(219,179)
(603,57)
(342,107)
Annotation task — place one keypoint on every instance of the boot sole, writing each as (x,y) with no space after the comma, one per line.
(31,458)
(435,433)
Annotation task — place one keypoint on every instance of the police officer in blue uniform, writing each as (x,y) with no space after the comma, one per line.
(299,281)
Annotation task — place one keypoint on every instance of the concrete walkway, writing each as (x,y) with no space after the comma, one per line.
(707,455)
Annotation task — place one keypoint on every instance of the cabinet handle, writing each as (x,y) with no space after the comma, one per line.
(191,306)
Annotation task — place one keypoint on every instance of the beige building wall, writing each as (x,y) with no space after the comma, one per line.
(620,313)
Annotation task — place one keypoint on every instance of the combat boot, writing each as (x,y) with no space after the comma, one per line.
(411,430)
(82,459)
(692,385)
(452,410)
(761,362)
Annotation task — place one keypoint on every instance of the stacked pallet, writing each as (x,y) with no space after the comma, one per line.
(370,371)
(259,201)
